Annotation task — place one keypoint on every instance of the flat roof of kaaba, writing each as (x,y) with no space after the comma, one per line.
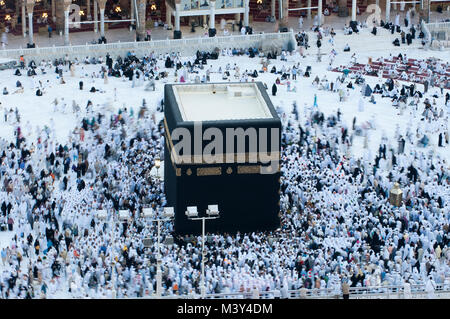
(221,101)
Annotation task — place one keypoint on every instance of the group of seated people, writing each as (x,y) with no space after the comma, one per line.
(302,39)
(321,84)
(286,73)
(396,42)
(30,72)
(369,71)
(93,60)
(203,56)
(351,28)
(251,52)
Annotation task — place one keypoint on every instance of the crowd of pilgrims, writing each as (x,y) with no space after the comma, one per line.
(337,224)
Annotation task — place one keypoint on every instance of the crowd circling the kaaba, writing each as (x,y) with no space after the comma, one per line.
(338,226)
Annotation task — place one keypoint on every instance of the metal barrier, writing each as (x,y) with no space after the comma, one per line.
(437,34)
(438,26)
(186,47)
(374,292)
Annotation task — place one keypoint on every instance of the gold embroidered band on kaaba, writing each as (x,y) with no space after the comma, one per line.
(242,158)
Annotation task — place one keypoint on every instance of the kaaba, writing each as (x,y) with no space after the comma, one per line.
(222,147)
